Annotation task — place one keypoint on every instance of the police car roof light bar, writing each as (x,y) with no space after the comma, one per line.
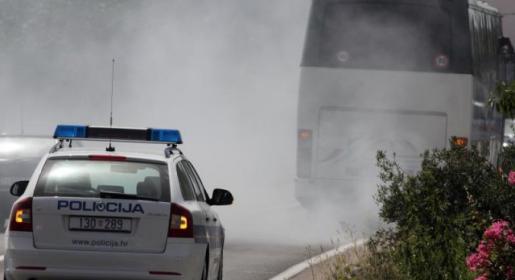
(149,135)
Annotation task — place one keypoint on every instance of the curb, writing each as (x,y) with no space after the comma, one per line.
(298,268)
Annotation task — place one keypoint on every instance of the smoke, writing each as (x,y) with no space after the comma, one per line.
(225,73)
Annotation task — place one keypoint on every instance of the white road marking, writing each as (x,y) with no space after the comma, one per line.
(298,268)
(1,258)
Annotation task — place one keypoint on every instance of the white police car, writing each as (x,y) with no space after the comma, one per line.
(102,214)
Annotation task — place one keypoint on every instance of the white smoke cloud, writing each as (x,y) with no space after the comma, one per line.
(226,73)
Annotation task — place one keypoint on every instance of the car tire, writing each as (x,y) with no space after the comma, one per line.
(205,270)
(221,267)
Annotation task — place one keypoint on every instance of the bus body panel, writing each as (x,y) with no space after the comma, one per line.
(353,113)
(383,93)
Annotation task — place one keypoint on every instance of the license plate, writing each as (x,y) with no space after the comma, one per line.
(100,224)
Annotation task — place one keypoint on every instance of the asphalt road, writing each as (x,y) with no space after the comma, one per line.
(246,261)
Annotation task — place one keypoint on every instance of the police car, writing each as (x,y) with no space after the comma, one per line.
(105,214)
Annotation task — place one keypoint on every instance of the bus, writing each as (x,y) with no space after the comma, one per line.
(402,76)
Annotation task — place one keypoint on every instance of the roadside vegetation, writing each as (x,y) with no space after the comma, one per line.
(454,219)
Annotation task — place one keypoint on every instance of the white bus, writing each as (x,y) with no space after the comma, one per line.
(402,76)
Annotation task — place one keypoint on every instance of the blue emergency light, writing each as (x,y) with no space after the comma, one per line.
(165,135)
(81,132)
(70,131)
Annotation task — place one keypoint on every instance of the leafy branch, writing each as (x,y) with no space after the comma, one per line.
(503,99)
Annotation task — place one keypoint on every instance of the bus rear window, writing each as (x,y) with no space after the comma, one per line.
(384,36)
(86,178)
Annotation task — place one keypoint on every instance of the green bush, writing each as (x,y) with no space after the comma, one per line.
(440,213)
(502,99)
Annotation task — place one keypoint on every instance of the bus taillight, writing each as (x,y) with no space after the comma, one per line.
(304,153)
(461,142)
(305,134)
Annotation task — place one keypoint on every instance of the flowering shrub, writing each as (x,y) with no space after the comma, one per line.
(511,178)
(507,190)
(439,214)
(494,257)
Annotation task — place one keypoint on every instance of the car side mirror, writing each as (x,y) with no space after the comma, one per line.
(221,197)
(18,188)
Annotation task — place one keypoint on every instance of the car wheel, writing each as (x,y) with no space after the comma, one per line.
(204,271)
(221,267)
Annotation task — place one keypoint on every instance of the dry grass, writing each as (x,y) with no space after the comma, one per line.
(338,267)
(360,261)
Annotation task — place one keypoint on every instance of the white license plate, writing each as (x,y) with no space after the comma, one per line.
(85,223)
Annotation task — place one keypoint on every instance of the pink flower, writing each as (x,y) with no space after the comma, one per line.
(511,237)
(476,260)
(496,230)
(511,178)
(484,249)
(489,257)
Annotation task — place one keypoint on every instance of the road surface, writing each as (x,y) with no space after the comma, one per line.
(247,261)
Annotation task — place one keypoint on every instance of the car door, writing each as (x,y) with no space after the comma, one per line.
(187,186)
(213,226)
(192,196)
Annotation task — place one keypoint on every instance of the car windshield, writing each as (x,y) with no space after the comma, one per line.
(91,178)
